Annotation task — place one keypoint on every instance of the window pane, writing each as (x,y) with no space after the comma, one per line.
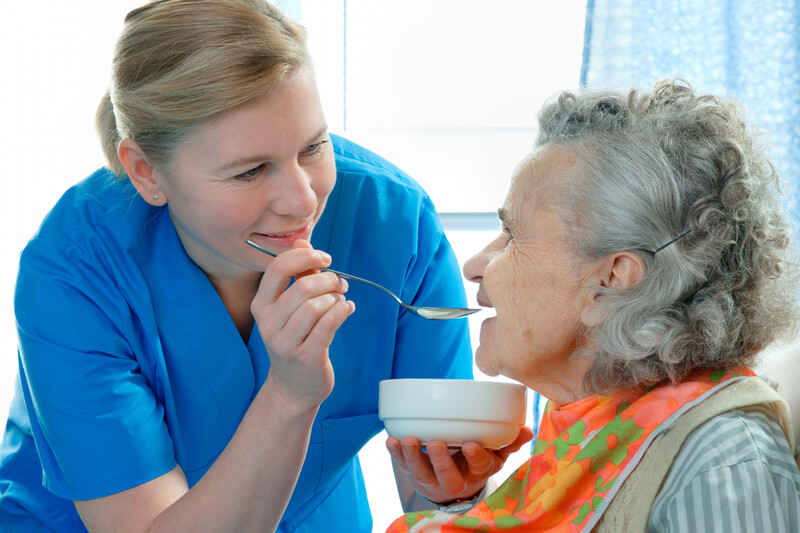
(447,90)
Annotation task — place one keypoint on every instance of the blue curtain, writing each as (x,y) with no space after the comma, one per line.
(747,49)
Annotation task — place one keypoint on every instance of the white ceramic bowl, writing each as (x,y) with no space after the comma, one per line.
(456,411)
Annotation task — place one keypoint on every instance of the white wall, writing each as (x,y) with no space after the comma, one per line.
(53,69)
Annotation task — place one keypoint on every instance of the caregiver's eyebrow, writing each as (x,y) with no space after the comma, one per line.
(261,158)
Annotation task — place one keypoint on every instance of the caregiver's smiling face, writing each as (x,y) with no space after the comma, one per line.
(262,171)
(528,275)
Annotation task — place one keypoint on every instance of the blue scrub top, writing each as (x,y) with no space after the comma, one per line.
(130,363)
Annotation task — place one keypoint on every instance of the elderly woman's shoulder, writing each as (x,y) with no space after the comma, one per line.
(736,464)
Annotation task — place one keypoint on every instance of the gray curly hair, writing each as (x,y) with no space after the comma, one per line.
(652,165)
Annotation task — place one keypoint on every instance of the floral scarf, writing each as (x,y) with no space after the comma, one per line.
(582,455)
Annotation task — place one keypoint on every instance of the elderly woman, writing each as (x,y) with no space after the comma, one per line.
(642,267)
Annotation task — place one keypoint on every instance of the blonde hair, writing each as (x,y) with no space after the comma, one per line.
(179,62)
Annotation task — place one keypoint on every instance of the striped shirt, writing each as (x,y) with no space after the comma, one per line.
(735,473)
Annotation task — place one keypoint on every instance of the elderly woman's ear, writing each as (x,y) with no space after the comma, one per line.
(617,271)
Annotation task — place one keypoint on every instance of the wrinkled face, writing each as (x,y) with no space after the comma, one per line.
(262,171)
(530,277)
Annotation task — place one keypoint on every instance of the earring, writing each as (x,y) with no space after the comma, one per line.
(155,197)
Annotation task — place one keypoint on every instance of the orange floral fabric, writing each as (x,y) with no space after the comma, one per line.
(582,455)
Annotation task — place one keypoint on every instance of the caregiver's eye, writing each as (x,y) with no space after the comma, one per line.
(251,174)
(315,148)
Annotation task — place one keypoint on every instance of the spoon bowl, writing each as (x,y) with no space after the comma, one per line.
(431,313)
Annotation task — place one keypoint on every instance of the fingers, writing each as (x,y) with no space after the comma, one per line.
(312,309)
(294,263)
(445,470)
(433,472)
(300,243)
(442,475)
(416,462)
(315,299)
(314,323)
(525,436)
(481,462)
(304,306)
(393,446)
(325,326)
(297,323)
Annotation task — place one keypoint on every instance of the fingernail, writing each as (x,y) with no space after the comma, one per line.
(325,257)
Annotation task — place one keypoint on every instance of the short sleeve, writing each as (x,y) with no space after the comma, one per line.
(96,422)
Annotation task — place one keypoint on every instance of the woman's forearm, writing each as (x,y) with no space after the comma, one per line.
(246,489)
(249,485)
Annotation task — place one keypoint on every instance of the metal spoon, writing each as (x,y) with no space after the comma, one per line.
(432,313)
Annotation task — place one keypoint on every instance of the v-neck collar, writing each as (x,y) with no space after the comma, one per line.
(194,324)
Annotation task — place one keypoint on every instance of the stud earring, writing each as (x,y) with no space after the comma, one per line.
(155,197)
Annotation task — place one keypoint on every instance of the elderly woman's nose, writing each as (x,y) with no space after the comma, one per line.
(475,265)
(296,195)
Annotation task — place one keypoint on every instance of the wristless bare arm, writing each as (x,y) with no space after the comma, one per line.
(246,489)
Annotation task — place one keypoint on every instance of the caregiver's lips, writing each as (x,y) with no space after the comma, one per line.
(284,239)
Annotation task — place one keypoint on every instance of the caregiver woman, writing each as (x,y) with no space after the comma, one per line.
(644,263)
(169,379)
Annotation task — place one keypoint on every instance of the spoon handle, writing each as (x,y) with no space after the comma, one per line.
(257,247)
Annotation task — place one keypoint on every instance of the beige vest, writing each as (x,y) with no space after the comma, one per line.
(639,491)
